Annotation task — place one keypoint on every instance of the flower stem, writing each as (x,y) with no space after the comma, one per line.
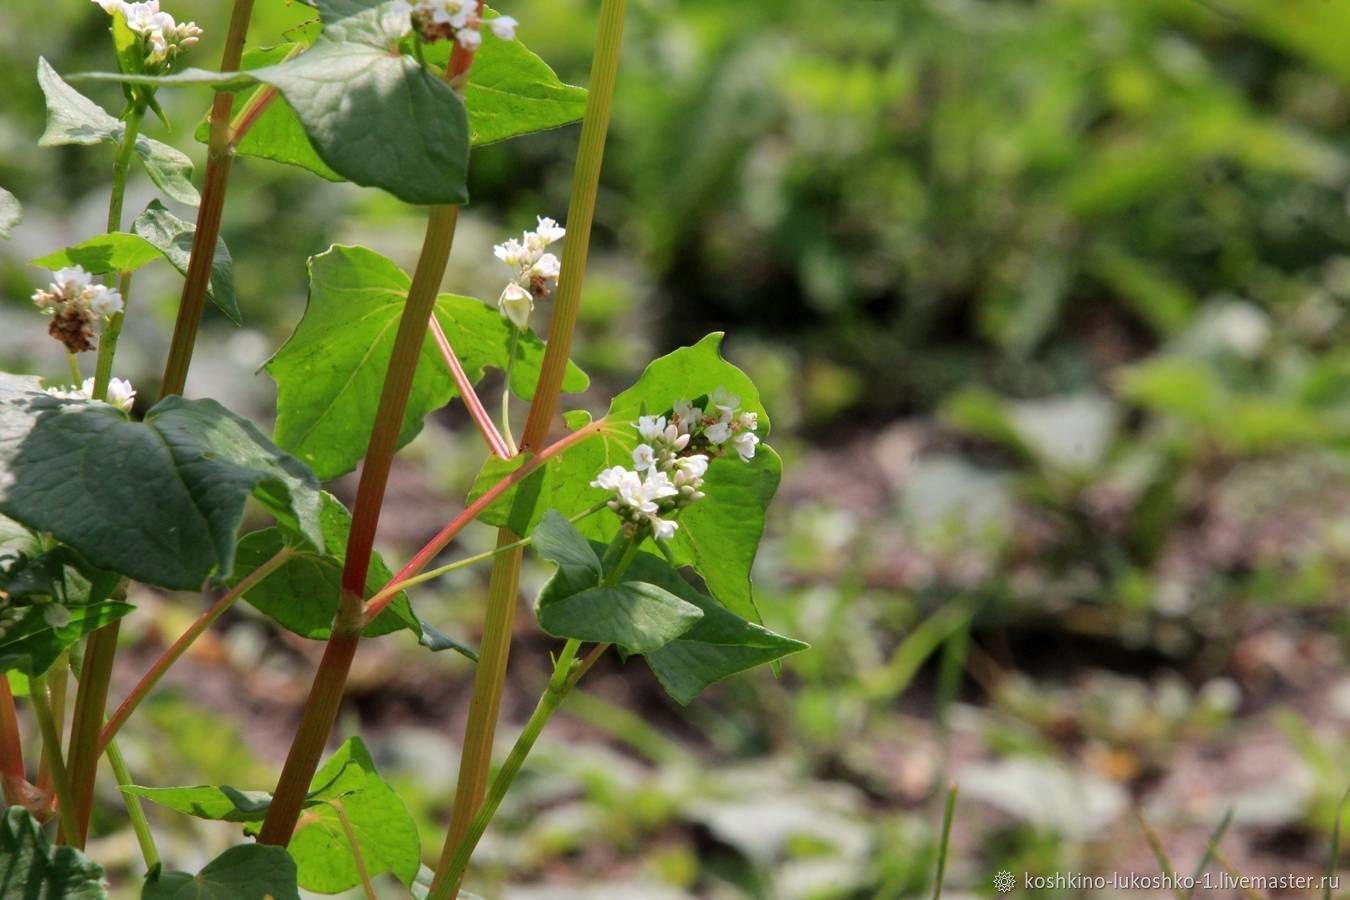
(219,154)
(490,673)
(58,678)
(185,640)
(357,856)
(51,743)
(135,811)
(496,443)
(506,392)
(122,167)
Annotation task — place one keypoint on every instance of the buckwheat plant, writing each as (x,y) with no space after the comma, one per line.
(651,514)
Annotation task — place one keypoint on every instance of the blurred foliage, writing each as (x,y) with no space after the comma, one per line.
(1048,301)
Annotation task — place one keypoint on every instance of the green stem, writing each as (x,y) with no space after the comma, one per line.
(219,155)
(494,651)
(107,342)
(135,811)
(51,743)
(76,376)
(506,394)
(361,869)
(91,700)
(566,673)
(121,168)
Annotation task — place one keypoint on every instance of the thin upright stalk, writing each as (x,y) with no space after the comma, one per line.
(12,773)
(330,680)
(186,640)
(494,652)
(51,742)
(357,856)
(91,700)
(135,811)
(122,167)
(219,155)
(58,678)
(506,392)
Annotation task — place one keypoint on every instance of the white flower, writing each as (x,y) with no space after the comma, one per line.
(748,421)
(547,266)
(718,433)
(548,232)
(633,493)
(70,281)
(609,479)
(120,393)
(745,443)
(643,458)
(469,38)
(511,252)
(651,428)
(695,466)
(516,304)
(724,400)
(503,27)
(658,486)
(663,529)
(684,414)
(103,300)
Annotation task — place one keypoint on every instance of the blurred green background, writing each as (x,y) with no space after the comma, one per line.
(1048,301)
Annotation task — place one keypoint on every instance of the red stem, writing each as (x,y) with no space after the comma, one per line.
(12,773)
(496,443)
(473,511)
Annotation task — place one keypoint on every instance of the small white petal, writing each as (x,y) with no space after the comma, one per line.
(516,304)
(503,27)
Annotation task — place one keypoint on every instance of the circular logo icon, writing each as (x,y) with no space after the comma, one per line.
(1004,882)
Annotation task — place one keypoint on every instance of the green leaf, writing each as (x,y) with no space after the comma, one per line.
(173,238)
(557,540)
(330,372)
(245,872)
(32,869)
(31,645)
(220,804)
(73,118)
(372,114)
(632,615)
(159,501)
(302,594)
(115,252)
(718,645)
(511,91)
(718,535)
(384,829)
(11,213)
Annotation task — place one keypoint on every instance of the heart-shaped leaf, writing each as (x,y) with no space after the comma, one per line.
(159,501)
(73,118)
(245,872)
(330,372)
(632,615)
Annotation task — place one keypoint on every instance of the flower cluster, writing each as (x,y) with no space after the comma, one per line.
(437,20)
(75,304)
(120,393)
(534,272)
(669,464)
(162,38)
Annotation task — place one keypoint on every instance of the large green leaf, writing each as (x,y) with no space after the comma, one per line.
(634,616)
(511,92)
(372,114)
(159,501)
(718,535)
(302,595)
(32,869)
(11,213)
(155,234)
(384,829)
(718,645)
(331,370)
(73,118)
(245,872)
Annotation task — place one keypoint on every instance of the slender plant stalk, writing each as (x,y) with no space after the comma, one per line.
(58,678)
(91,699)
(948,813)
(135,811)
(325,695)
(122,167)
(219,155)
(357,856)
(506,392)
(51,743)
(496,443)
(185,641)
(14,776)
(494,652)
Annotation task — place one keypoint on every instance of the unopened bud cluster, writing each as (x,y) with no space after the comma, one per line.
(161,37)
(669,464)
(458,20)
(77,305)
(534,273)
(120,393)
